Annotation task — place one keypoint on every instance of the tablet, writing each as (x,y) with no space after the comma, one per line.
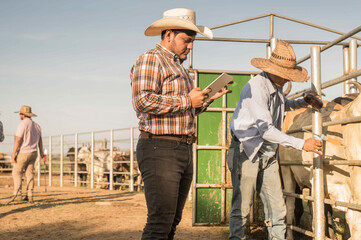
(218,84)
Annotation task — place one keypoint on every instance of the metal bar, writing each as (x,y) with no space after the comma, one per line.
(223,39)
(334,42)
(103,131)
(92,161)
(352,206)
(213,185)
(50,159)
(240,21)
(318,185)
(194,182)
(301,230)
(326,124)
(61,159)
(328,83)
(76,160)
(346,68)
(222,71)
(268,50)
(202,147)
(190,65)
(131,160)
(353,64)
(39,170)
(223,163)
(271,26)
(312,25)
(111,161)
(273,44)
(325,162)
(216,109)
(253,40)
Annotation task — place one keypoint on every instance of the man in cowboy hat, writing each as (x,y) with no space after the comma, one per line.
(255,127)
(25,152)
(166,104)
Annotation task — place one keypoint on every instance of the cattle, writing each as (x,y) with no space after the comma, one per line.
(102,165)
(82,170)
(5,161)
(341,182)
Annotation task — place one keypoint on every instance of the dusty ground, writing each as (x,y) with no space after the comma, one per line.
(80,213)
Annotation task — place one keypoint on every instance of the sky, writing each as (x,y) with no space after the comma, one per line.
(70,60)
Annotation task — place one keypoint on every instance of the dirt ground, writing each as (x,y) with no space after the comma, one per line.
(83,213)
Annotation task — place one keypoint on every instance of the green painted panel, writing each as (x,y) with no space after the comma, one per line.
(208,206)
(209,162)
(209,128)
(238,83)
(209,166)
(229,193)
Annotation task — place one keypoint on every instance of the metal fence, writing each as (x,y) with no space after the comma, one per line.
(350,74)
(62,167)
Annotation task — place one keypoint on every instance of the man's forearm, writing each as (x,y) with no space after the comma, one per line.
(17,143)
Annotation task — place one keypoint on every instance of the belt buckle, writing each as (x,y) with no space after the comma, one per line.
(190,139)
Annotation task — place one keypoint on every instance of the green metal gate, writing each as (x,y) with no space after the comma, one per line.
(212,186)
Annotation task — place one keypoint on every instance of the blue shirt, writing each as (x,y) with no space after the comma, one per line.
(253,120)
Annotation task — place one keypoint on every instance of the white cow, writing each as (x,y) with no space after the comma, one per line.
(342,182)
(102,165)
(100,162)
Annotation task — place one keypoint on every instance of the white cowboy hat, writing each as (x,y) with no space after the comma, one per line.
(282,63)
(177,18)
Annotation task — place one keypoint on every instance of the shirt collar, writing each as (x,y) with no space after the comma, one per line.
(168,53)
(272,88)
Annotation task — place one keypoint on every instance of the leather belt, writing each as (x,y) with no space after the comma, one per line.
(188,139)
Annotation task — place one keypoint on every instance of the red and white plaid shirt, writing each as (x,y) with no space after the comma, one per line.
(160,87)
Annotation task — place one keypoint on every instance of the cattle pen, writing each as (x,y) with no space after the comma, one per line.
(211,177)
(61,164)
(350,74)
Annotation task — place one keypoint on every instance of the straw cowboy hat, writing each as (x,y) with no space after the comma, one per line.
(26,110)
(282,63)
(177,18)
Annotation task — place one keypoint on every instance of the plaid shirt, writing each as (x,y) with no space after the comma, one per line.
(160,87)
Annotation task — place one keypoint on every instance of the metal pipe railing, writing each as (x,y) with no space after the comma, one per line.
(61,159)
(334,42)
(131,160)
(254,40)
(111,160)
(240,21)
(312,25)
(328,83)
(318,185)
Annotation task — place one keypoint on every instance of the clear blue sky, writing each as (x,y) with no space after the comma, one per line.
(70,60)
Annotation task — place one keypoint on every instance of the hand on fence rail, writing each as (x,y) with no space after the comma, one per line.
(313,145)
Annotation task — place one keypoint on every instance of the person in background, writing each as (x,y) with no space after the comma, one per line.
(27,142)
(1,132)
(166,104)
(256,129)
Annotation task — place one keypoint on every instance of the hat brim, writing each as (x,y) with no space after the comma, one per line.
(157,27)
(27,114)
(297,74)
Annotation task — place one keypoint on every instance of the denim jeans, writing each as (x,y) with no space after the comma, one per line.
(167,170)
(248,177)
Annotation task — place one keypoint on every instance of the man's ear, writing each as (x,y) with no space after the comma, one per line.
(168,34)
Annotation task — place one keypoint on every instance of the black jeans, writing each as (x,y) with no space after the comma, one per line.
(167,170)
